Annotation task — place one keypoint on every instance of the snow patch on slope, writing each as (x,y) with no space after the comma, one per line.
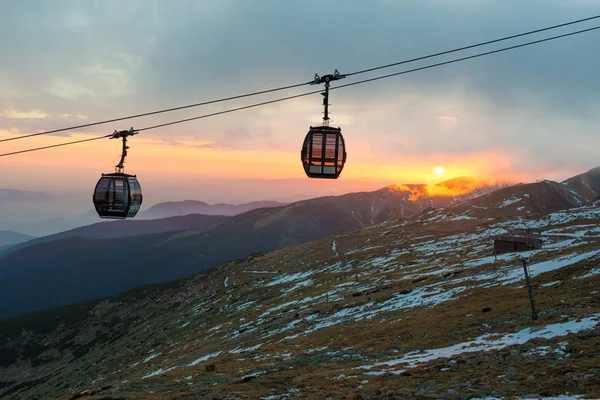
(486,343)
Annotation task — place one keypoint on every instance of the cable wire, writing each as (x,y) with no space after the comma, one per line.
(466,58)
(319,91)
(299,84)
(372,79)
(473,46)
(230,110)
(156,112)
(55,145)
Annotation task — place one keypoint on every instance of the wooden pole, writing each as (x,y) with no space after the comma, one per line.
(534,315)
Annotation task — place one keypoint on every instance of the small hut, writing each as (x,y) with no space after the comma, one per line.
(514,243)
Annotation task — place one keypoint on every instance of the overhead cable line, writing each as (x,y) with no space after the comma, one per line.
(466,58)
(229,111)
(300,84)
(55,145)
(368,80)
(156,112)
(473,46)
(319,91)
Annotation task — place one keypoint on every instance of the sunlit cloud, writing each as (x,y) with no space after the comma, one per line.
(78,116)
(450,188)
(33,114)
(524,114)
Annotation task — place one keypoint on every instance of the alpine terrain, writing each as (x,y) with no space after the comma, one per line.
(419,307)
(96,260)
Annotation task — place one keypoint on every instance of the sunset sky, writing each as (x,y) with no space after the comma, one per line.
(526,114)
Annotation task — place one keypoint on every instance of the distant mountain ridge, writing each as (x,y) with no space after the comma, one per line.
(173,208)
(22,195)
(127,228)
(418,308)
(586,185)
(69,269)
(535,198)
(65,221)
(8,238)
(523,199)
(72,269)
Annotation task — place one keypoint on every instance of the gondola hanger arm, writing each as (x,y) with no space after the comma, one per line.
(123,134)
(327,78)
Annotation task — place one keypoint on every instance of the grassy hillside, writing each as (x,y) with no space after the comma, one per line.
(416,308)
(51,273)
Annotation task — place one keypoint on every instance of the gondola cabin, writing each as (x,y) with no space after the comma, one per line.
(117,196)
(324,152)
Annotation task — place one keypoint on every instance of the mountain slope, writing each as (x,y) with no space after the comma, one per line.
(132,227)
(406,309)
(173,208)
(71,269)
(586,185)
(523,199)
(47,226)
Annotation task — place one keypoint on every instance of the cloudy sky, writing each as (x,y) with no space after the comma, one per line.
(526,114)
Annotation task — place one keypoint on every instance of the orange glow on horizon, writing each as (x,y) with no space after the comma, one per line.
(452,188)
(177,164)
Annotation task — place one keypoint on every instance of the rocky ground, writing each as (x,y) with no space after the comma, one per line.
(418,308)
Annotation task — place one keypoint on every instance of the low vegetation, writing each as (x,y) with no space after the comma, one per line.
(406,309)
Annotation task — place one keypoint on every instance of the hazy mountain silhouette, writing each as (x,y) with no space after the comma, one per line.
(8,238)
(411,302)
(64,219)
(72,269)
(130,227)
(587,185)
(22,195)
(50,226)
(173,208)
(522,199)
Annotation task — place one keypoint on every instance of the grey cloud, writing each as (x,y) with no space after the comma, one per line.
(112,58)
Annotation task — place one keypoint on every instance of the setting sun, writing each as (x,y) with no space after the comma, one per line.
(439,170)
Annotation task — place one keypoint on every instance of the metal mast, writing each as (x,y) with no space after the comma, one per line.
(119,168)
(326,79)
